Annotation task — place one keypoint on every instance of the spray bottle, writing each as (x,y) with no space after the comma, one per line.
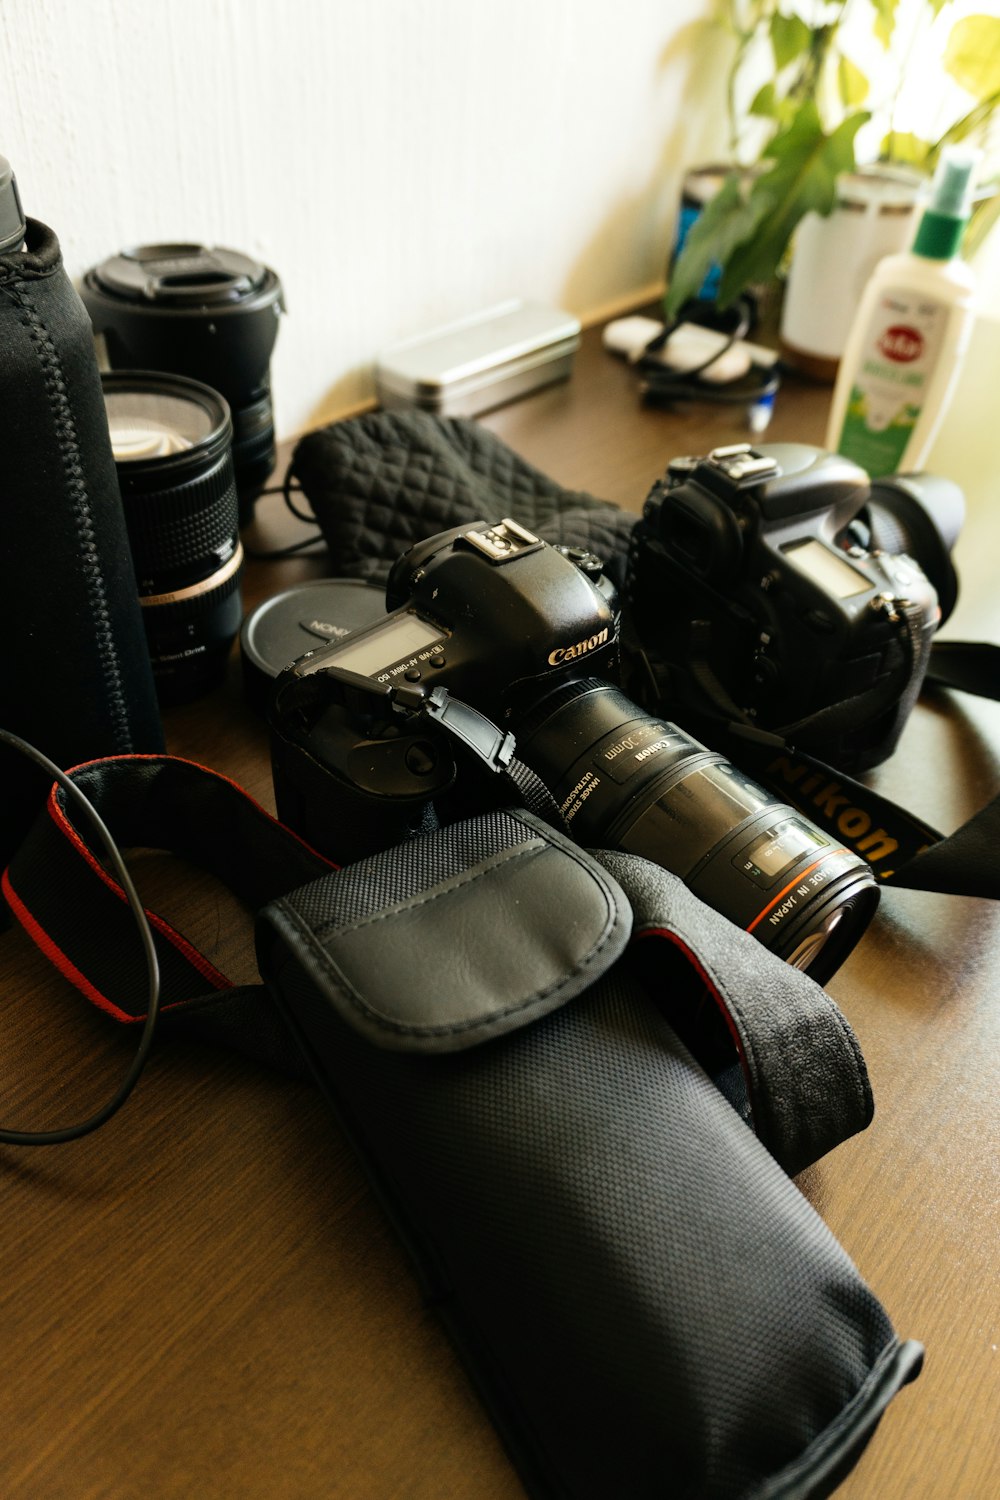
(909,336)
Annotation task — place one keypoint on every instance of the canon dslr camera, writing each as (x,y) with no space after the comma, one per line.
(779,585)
(493,634)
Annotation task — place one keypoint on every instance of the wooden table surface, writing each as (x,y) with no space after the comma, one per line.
(203,1299)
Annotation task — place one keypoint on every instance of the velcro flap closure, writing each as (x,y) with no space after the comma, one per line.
(456,937)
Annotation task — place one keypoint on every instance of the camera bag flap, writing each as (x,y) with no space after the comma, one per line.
(646,1303)
(456,938)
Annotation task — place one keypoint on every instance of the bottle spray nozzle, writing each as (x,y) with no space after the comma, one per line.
(951,191)
(939,236)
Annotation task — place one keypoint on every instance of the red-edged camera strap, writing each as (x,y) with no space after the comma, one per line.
(60,891)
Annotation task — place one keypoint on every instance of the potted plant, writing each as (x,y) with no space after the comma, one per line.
(814,90)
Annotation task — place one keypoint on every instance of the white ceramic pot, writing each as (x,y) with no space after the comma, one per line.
(833,257)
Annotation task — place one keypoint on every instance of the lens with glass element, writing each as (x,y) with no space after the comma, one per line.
(626,780)
(172,443)
(203,312)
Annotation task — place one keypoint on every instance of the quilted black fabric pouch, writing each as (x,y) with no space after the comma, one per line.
(380,482)
(645,1301)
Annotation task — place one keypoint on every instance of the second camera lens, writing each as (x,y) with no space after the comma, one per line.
(172,442)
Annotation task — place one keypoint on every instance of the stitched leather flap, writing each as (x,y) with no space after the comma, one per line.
(456,937)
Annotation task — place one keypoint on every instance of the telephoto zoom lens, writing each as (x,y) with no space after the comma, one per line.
(626,780)
(172,443)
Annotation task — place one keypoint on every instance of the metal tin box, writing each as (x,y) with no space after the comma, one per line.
(480,362)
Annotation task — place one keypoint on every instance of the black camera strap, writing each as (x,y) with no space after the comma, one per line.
(302,696)
(748,1018)
(60,889)
(902,849)
(73,908)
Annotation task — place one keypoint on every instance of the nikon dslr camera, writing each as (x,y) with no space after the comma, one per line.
(490,680)
(779,585)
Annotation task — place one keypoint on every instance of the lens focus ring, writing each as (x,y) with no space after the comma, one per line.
(179,528)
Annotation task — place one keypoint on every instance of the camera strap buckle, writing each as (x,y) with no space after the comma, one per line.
(488,743)
(464,724)
(361,695)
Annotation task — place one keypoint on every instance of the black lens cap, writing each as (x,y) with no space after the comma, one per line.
(298,620)
(180,275)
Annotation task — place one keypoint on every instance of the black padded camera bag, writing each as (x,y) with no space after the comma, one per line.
(599,1210)
(646,1303)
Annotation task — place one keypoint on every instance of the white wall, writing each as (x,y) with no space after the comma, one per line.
(398,162)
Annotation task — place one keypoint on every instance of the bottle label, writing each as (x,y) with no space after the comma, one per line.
(899,353)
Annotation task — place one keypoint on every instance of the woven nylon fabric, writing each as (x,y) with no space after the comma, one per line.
(648,1304)
(374,884)
(380,482)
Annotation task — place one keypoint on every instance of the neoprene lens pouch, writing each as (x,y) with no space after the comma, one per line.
(647,1304)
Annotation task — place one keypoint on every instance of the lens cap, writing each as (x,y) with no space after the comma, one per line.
(298,620)
(183,275)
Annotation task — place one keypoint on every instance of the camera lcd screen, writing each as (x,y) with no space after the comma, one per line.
(832,573)
(399,636)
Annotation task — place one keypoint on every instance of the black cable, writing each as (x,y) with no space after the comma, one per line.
(272,554)
(74,1132)
(740,327)
(275,553)
(659,380)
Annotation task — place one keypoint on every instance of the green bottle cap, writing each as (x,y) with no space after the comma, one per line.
(945,218)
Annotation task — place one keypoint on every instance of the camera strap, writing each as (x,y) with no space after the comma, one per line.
(901,848)
(75,912)
(762,1030)
(59,889)
(301,696)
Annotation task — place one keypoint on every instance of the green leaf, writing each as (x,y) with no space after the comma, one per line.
(746,231)
(972,54)
(979,116)
(904,146)
(765,102)
(803,178)
(790,37)
(852,83)
(885,19)
(721,226)
(984,216)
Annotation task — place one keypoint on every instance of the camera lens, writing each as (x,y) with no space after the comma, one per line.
(627,780)
(204,312)
(172,443)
